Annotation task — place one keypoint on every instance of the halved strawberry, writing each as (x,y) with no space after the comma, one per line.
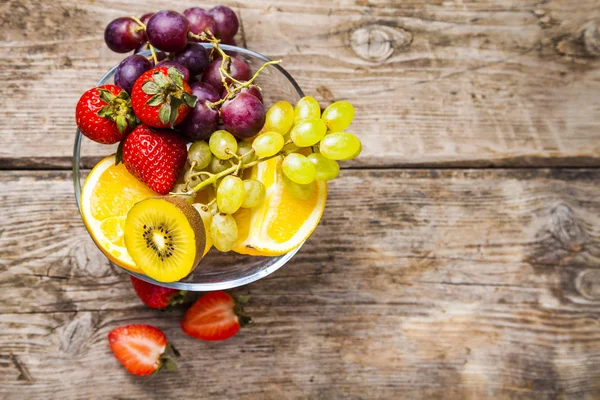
(161,98)
(155,296)
(141,349)
(104,115)
(215,316)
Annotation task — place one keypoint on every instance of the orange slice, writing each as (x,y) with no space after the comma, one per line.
(108,194)
(284,220)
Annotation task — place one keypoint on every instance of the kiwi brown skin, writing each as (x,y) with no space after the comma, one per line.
(195,221)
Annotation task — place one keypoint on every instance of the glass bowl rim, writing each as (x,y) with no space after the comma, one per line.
(200,287)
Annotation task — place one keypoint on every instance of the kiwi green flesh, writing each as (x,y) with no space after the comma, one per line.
(161,243)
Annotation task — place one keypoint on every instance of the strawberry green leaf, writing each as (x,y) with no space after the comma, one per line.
(131,120)
(176,77)
(164,114)
(151,88)
(123,95)
(169,364)
(106,112)
(175,103)
(156,100)
(119,155)
(106,95)
(160,79)
(121,123)
(170,349)
(188,99)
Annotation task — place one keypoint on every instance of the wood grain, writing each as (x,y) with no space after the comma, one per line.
(453,83)
(462,284)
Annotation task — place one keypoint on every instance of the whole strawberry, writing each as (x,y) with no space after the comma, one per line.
(155,157)
(156,296)
(142,349)
(161,98)
(104,114)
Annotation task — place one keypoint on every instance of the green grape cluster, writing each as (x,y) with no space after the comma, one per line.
(323,133)
(311,144)
(207,161)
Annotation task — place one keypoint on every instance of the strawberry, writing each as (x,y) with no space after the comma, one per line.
(156,296)
(142,349)
(104,114)
(161,98)
(155,157)
(215,316)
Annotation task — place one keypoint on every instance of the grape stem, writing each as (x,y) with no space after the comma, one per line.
(149,45)
(225,64)
(228,171)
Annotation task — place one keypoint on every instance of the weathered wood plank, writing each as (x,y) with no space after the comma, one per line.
(445,284)
(435,83)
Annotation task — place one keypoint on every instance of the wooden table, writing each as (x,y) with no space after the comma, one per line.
(458,257)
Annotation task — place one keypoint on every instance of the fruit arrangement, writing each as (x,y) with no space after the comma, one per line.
(201,163)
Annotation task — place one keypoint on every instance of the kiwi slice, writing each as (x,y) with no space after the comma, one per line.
(165,236)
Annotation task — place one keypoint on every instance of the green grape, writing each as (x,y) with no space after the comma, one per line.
(280,117)
(326,169)
(223,144)
(267,144)
(298,168)
(308,133)
(181,188)
(255,193)
(245,150)
(338,116)
(223,231)
(216,165)
(301,192)
(199,152)
(230,194)
(192,180)
(340,146)
(307,108)
(205,215)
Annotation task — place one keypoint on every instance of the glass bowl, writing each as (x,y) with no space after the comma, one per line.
(217,271)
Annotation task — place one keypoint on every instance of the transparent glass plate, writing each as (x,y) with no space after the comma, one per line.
(217,271)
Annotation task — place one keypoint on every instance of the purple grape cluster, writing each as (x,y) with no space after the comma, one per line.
(173,37)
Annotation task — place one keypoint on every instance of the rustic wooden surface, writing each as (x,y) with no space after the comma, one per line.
(475,274)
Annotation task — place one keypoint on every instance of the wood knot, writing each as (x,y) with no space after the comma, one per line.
(75,335)
(591,38)
(588,284)
(560,238)
(566,229)
(378,42)
(584,44)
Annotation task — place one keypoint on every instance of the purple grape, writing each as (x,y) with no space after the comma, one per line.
(238,69)
(180,68)
(194,58)
(145,18)
(123,35)
(243,116)
(141,47)
(226,21)
(167,31)
(160,56)
(200,20)
(230,42)
(129,70)
(254,91)
(202,120)
(204,91)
